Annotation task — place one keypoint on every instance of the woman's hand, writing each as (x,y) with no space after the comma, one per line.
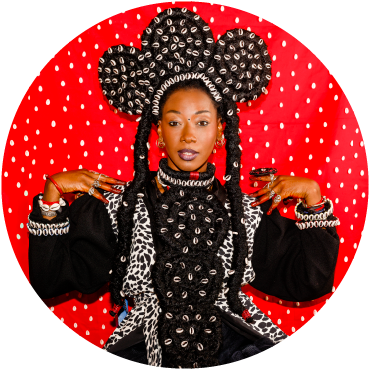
(286,186)
(80,181)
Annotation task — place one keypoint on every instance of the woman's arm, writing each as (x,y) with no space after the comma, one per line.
(292,264)
(81,259)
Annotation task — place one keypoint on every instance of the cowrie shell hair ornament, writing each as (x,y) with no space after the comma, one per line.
(178,45)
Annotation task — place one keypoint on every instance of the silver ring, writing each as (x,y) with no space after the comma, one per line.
(99,177)
(91,191)
(267,185)
(277,199)
(272,193)
(96,184)
(272,177)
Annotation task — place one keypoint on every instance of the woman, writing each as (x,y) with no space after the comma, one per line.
(176,240)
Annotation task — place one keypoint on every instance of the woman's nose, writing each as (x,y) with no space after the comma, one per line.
(188,134)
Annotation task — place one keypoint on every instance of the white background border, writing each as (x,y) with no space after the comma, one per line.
(32,32)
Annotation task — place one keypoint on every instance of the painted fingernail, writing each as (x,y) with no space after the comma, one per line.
(269,212)
(106,201)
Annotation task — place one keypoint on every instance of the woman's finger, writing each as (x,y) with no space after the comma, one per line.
(109,188)
(95,193)
(265,189)
(262,178)
(277,189)
(105,178)
(275,202)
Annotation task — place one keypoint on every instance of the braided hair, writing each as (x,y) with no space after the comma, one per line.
(178,51)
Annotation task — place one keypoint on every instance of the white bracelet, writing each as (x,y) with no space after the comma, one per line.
(52,207)
(321,223)
(40,228)
(317,216)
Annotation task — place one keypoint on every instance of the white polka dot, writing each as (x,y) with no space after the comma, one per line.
(82,106)
(335,97)
(344,127)
(89,92)
(289,142)
(308,100)
(65,109)
(96,46)
(291,158)
(74,308)
(100,106)
(267,144)
(25,193)
(63,83)
(296,115)
(90,318)
(355,187)
(295,56)
(194,9)
(361,143)
(89,66)
(281,88)
(277,74)
(363,195)
(126,158)
(85,154)
(269,35)
(313,85)
(345,259)
(13,159)
(256,155)
(302,318)
(70,65)
(355,245)
(118,172)
(321,141)
(336,169)
(309,66)
(266,128)
(100,139)
(341,185)
(336,200)
(236,20)
(36,109)
(261,111)
(56,68)
(70,127)
(101,153)
(292,174)
(104,310)
(272,160)
(292,73)
(355,155)
(11,142)
(212,19)
(222,8)
(330,86)
(319,172)
(327,159)
(274,58)
(75,325)
(306,170)
(82,143)
(328,185)
(51,161)
(293,329)
(288,312)
(296,87)
(362,173)
(100,166)
(80,80)
(281,125)
(346,111)
(325,124)
(310,157)
(50,145)
(283,44)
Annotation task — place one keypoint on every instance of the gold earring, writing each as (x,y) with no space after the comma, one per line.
(220,143)
(160,144)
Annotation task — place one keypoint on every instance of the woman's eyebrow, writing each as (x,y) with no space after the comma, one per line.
(177,112)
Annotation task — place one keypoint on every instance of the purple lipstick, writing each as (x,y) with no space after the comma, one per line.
(187,154)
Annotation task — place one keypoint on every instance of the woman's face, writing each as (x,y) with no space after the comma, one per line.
(190,128)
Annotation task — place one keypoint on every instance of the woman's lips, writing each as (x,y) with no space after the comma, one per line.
(187,156)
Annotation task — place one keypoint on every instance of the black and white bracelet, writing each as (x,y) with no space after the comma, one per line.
(39,228)
(321,223)
(314,216)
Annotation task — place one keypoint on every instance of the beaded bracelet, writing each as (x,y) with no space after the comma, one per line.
(39,229)
(49,208)
(307,214)
(311,224)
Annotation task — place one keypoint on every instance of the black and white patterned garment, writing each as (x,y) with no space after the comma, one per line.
(138,283)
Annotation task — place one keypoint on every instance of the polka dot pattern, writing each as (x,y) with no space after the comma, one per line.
(304,125)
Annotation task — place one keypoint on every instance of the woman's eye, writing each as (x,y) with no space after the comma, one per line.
(171,123)
(203,123)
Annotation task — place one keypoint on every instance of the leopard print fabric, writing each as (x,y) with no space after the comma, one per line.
(138,282)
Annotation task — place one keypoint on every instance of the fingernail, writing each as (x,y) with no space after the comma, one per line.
(253,204)
(269,212)
(255,184)
(106,201)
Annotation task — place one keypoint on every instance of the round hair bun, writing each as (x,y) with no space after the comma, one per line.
(242,65)
(124,74)
(180,41)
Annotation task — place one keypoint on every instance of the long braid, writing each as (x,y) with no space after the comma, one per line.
(125,212)
(235,196)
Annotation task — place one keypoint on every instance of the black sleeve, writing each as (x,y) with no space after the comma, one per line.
(292,264)
(79,260)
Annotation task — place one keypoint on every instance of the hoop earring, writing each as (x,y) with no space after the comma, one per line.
(160,144)
(220,143)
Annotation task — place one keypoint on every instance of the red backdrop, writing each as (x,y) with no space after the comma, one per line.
(304,126)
